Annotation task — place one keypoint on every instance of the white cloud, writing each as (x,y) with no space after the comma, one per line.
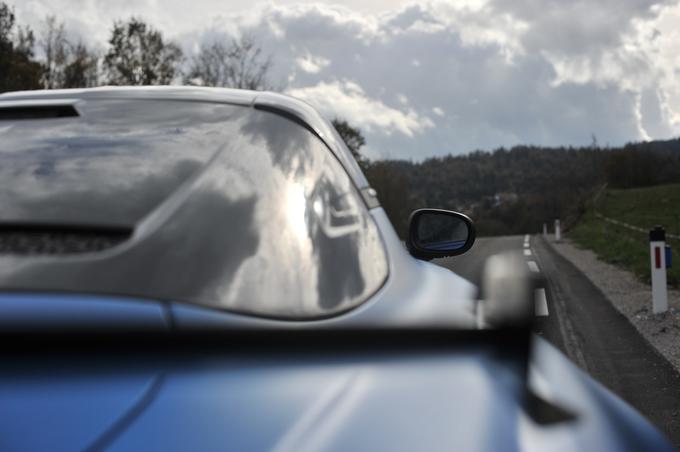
(547,72)
(347,100)
(312,64)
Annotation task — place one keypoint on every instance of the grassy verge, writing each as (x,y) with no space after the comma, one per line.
(644,207)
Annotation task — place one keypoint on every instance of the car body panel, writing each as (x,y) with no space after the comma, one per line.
(328,403)
(309,116)
(112,166)
(428,295)
(462,398)
(470,396)
(296,107)
(247,196)
(62,406)
(603,421)
(21,311)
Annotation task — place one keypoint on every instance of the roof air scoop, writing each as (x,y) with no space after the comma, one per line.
(37,109)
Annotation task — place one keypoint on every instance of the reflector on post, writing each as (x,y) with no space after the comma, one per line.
(669,257)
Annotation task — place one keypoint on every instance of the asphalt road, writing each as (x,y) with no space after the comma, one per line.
(580,321)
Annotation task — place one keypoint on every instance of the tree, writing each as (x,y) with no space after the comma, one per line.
(352,137)
(6,23)
(18,70)
(66,65)
(25,41)
(55,47)
(81,69)
(241,64)
(138,55)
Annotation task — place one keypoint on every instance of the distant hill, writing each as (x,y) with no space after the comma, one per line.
(514,191)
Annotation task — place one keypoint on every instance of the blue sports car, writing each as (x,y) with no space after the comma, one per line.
(195,269)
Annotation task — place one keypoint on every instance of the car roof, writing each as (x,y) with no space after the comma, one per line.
(295,109)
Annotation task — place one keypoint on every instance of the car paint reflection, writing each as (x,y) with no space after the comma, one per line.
(249,212)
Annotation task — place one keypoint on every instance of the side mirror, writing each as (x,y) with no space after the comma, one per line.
(439,233)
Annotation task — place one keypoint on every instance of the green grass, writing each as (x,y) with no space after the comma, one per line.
(642,207)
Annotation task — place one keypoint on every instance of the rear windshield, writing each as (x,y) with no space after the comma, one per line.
(224,206)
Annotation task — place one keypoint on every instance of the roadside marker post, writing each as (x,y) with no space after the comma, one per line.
(557,230)
(545,230)
(657,250)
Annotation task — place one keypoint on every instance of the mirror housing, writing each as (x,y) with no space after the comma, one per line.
(509,290)
(434,233)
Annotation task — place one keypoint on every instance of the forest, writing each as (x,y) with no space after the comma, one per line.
(515,191)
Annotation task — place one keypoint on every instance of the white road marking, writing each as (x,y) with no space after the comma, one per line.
(540,303)
(526,245)
(527,252)
(533,267)
(526,238)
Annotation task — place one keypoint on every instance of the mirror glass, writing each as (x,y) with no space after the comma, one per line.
(441,231)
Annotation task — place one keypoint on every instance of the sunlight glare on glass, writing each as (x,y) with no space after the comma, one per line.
(296,209)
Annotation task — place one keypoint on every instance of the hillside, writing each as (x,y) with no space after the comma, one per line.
(640,207)
(514,191)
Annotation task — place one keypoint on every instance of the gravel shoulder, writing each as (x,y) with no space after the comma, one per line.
(631,298)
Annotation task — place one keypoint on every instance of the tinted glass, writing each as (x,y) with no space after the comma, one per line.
(441,232)
(232,208)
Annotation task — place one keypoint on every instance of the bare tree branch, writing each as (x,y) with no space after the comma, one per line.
(241,64)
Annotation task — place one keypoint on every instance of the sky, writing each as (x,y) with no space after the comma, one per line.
(424,79)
